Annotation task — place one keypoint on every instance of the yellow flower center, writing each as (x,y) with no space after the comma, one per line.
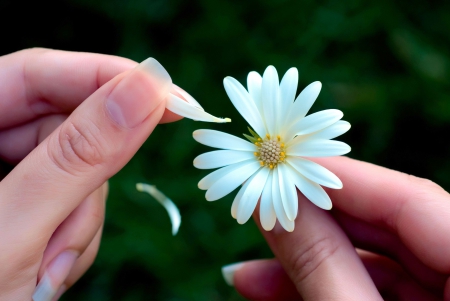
(270,152)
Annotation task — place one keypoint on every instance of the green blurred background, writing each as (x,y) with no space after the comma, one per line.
(384,63)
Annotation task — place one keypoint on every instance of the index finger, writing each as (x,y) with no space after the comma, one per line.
(416,210)
(36,82)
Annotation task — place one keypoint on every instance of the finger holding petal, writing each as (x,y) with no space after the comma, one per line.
(185,109)
(186,96)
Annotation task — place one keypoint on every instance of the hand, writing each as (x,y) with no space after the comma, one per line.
(52,202)
(402,220)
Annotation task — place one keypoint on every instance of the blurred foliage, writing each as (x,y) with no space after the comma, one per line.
(384,63)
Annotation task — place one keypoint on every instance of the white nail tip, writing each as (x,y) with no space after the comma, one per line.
(229,270)
(185,109)
(171,208)
(44,290)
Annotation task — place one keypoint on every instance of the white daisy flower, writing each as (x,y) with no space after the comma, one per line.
(272,164)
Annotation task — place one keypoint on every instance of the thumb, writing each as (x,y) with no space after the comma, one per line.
(94,143)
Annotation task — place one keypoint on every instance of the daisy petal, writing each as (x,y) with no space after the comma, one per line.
(270,98)
(222,140)
(231,181)
(312,191)
(187,97)
(288,88)
(288,192)
(304,102)
(244,104)
(213,177)
(237,199)
(249,199)
(171,208)
(267,215)
(287,224)
(314,122)
(319,148)
(336,129)
(315,172)
(221,158)
(254,81)
(185,109)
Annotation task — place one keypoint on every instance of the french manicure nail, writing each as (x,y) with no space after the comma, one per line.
(54,276)
(135,97)
(229,270)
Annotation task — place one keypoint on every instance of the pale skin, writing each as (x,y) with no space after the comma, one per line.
(52,105)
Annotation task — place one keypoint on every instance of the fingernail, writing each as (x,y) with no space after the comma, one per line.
(229,270)
(54,276)
(136,96)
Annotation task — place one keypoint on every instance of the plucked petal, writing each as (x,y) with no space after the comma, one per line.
(185,109)
(222,140)
(314,122)
(318,148)
(216,175)
(315,172)
(287,224)
(187,97)
(267,215)
(221,158)
(303,103)
(288,88)
(231,181)
(244,104)
(249,199)
(312,191)
(270,98)
(288,192)
(254,81)
(171,208)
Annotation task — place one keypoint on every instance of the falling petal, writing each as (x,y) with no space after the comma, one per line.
(171,208)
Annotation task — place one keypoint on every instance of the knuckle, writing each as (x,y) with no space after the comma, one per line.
(311,255)
(78,147)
